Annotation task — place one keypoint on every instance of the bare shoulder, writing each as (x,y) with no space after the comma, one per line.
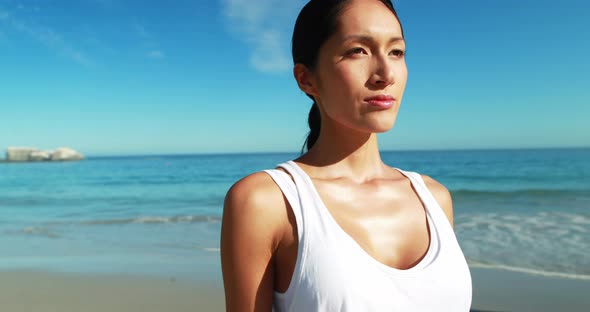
(255,195)
(251,230)
(441,194)
(254,187)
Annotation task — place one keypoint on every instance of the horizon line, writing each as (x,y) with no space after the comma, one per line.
(483,149)
(216,153)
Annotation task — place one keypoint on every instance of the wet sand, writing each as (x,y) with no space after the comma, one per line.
(31,291)
(68,292)
(499,290)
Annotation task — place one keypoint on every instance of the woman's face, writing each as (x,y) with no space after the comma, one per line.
(361,71)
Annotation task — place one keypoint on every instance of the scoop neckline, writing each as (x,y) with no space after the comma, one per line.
(416,269)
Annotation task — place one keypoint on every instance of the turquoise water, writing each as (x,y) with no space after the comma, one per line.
(524,210)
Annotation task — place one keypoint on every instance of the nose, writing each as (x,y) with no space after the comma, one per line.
(383,73)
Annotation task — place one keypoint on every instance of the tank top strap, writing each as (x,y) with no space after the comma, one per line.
(417,182)
(284,182)
(306,192)
(431,203)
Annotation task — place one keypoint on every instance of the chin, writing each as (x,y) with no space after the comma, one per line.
(378,128)
(382,125)
(382,129)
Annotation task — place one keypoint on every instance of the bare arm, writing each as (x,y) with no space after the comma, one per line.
(442,196)
(249,238)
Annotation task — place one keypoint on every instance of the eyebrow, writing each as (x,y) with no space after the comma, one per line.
(370,39)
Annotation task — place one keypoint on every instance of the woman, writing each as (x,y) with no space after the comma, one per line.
(336,229)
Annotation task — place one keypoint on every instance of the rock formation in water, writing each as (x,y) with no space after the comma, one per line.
(22,154)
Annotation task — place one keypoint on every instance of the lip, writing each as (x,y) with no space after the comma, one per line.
(381,101)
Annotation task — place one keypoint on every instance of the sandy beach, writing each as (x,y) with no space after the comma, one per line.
(494,290)
(29,291)
(499,290)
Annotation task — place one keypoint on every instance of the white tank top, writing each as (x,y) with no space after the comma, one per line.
(333,273)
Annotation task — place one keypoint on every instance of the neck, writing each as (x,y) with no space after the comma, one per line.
(343,152)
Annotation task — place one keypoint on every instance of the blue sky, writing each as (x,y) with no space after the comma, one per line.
(112,77)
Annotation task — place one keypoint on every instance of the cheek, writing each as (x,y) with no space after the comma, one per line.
(342,89)
(353,76)
(345,83)
(336,83)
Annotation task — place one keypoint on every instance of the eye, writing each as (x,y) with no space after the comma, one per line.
(398,52)
(356,51)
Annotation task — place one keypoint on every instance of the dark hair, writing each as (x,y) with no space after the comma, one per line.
(316,22)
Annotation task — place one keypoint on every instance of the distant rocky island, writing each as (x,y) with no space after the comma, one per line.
(31,154)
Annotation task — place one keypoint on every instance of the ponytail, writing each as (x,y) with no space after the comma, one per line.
(315,121)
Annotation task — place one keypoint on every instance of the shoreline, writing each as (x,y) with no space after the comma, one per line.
(26,290)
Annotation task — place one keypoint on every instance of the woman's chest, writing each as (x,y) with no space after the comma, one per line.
(387,221)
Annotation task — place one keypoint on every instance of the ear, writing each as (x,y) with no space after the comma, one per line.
(305,79)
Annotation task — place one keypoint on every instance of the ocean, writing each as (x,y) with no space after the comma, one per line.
(519,210)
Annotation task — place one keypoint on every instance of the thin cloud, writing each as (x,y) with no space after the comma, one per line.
(265,26)
(46,36)
(154,51)
(156,54)
(268,55)
(140,30)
